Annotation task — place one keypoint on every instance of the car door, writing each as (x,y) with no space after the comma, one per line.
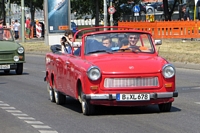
(65,68)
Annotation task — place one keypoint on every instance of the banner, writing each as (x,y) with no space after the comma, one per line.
(58,15)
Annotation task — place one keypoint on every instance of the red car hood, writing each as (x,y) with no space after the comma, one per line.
(119,64)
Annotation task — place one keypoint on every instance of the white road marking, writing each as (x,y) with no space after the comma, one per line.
(19,114)
(46,131)
(34,122)
(26,118)
(14,111)
(8,108)
(4,104)
(197,102)
(41,126)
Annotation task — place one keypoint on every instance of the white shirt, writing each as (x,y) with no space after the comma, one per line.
(16,26)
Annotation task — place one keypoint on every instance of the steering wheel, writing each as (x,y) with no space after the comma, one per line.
(135,48)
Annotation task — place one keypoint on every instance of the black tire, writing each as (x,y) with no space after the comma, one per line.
(87,108)
(165,107)
(51,93)
(19,69)
(59,97)
(6,71)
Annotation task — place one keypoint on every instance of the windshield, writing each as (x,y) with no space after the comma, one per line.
(119,42)
(6,35)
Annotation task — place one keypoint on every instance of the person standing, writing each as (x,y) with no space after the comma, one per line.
(184,14)
(184,17)
(28,27)
(16,29)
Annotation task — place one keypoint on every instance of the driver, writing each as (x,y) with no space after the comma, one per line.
(132,42)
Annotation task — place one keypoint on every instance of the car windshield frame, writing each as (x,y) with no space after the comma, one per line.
(93,44)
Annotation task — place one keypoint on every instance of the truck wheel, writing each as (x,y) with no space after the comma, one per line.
(165,107)
(19,69)
(59,97)
(87,108)
(51,93)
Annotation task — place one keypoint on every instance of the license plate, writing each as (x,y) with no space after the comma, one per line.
(4,66)
(133,97)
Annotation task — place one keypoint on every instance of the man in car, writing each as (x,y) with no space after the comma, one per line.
(132,43)
(107,42)
(66,42)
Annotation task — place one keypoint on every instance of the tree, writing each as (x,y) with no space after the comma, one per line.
(91,7)
(32,4)
(169,11)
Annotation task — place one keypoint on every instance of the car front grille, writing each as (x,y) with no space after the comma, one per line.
(131,82)
(6,56)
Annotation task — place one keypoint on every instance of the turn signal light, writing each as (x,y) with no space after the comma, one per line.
(168,85)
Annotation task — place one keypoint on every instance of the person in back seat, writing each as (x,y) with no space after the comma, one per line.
(66,42)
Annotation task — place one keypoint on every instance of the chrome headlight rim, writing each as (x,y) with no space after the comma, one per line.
(168,71)
(20,50)
(94,73)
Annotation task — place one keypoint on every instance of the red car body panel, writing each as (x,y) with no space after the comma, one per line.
(67,72)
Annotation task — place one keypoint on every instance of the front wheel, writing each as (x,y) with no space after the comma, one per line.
(165,107)
(87,108)
(19,69)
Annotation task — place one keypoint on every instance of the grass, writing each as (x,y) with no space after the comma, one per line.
(174,50)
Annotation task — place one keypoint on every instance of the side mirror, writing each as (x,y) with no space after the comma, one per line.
(76,44)
(158,42)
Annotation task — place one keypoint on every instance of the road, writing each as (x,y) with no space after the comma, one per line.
(25,108)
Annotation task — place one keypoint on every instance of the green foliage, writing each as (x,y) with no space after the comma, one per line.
(32,4)
(82,7)
(37,4)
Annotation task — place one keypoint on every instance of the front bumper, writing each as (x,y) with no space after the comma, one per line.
(158,95)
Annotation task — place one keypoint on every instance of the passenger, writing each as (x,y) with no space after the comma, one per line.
(66,42)
(107,42)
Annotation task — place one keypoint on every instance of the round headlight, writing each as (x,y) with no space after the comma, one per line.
(16,58)
(20,50)
(94,73)
(168,71)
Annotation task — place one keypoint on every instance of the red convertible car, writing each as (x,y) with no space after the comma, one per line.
(111,66)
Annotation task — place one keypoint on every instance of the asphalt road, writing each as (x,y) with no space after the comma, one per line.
(25,107)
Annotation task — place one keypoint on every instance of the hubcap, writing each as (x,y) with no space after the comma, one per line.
(56,96)
(51,94)
(83,106)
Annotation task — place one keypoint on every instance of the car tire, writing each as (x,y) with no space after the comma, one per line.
(165,107)
(51,93)
(59,97)
(19,69)
(87,108)
(6,71)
